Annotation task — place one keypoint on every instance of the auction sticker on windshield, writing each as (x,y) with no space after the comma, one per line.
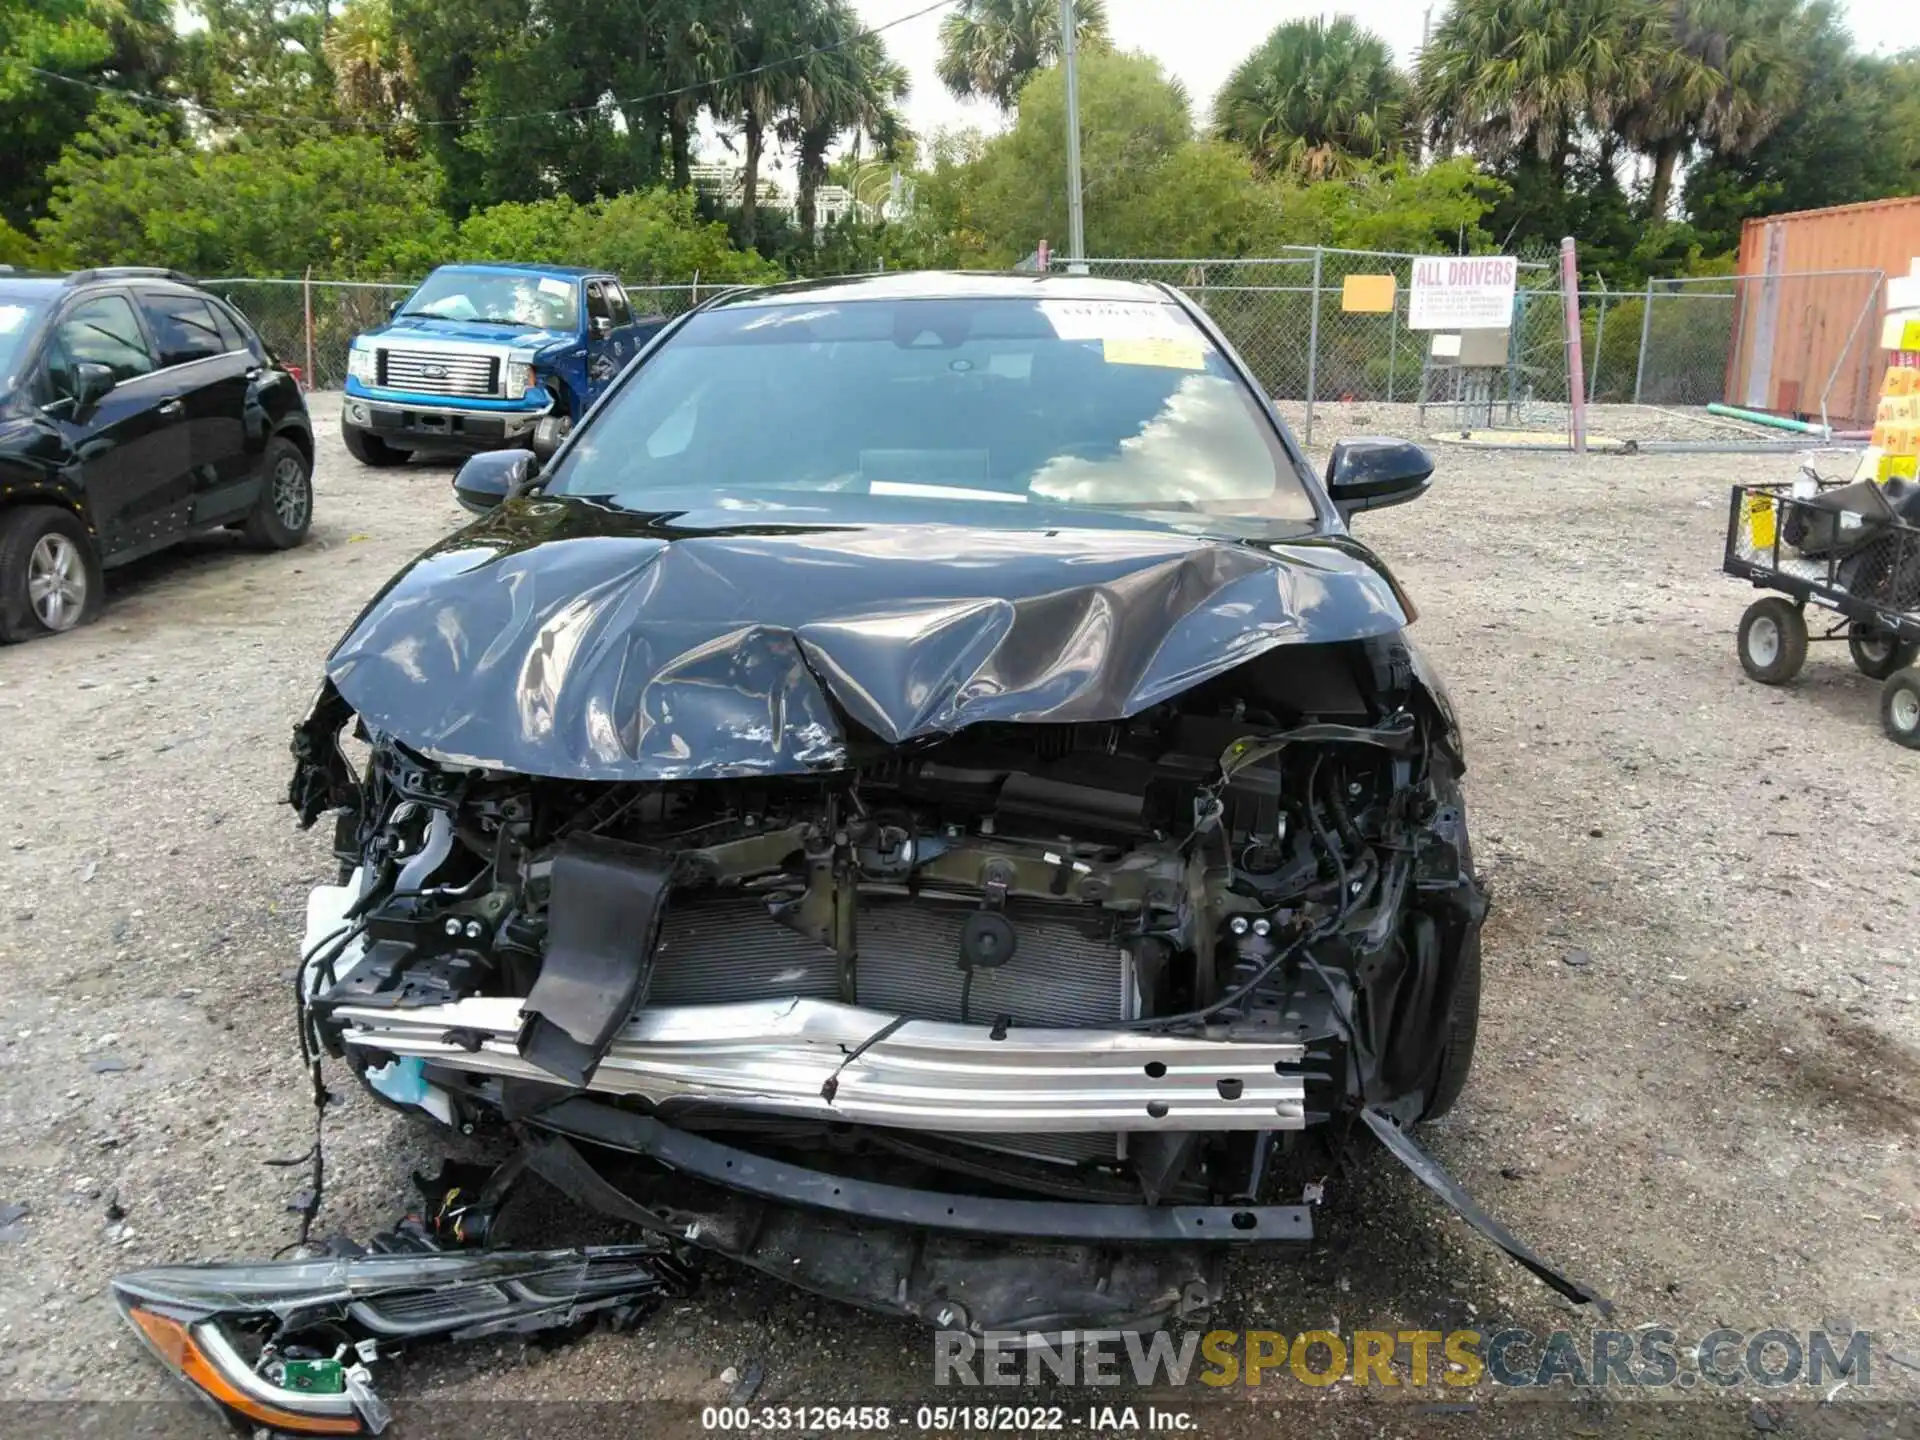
(550,286)
(1164,354)
(1115,320)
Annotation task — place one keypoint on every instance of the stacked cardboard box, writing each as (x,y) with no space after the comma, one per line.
(1894,449)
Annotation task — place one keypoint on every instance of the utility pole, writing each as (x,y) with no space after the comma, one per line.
(1076,217)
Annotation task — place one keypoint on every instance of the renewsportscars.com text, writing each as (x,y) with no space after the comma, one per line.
(1653,1358)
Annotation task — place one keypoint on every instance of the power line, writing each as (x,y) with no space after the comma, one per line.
(483,122)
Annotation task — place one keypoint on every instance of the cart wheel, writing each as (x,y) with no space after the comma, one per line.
(1900,706)
(1773,640)
(1877,654)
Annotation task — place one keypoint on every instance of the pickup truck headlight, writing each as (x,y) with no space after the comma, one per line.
(519,377)
(363,365)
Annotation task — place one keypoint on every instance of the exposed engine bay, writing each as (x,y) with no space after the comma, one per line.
(1114,960)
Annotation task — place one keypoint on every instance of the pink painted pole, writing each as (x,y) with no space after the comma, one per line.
(1576,369)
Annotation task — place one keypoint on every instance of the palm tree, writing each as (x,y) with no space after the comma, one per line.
(688,50)
(373,72)
(1724,73)
(1502,76)
(757,50)
(850,84)
(1317,96)
(991,48)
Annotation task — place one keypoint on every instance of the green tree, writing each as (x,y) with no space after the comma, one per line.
(1854,136)
(374,77)
(991,48)
(1501,77)
(127,191)
(688,45)
(854,86)
(648,237)
(258,58)
(1393,206)
(1719,72)
(1314,98)
(558,102)
(117,43)
(1149,186)
(759,87)
(657,237)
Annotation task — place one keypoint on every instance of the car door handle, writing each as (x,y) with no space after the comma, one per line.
(172,410)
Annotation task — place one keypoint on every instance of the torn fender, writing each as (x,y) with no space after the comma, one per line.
(558,637)
(1429,1172)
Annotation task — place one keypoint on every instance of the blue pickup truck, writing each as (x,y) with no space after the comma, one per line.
(486,355)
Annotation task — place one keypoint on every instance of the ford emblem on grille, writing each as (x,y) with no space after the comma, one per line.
(434,372)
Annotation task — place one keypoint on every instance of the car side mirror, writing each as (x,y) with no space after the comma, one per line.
(1367,473)
(91,383)
(492,476)
(394,308)
(601,325)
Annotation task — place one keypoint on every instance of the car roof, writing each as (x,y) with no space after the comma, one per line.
(30,287)
(42,285)
(570,272)
(952,285)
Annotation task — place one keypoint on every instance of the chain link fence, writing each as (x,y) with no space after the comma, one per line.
(1291,318)
(1798,344)
(310,323)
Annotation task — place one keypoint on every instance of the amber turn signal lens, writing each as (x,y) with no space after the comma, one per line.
(174,1343)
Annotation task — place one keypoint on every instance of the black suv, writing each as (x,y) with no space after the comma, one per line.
(135,409)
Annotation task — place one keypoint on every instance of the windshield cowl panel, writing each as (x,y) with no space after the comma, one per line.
(971,405)
(559,637)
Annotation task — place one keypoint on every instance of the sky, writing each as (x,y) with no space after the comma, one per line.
(1200,41)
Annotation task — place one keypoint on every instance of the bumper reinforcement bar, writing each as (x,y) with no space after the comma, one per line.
(822,1060)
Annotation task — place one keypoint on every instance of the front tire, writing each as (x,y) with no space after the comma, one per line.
(50,576)
(1773,640)
(1463,1033)
(370,449)
(284,512)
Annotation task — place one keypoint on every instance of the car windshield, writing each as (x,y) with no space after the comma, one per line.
(1117,404)
(17,320)
(493,297)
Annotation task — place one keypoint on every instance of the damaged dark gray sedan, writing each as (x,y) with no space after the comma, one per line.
(921,795)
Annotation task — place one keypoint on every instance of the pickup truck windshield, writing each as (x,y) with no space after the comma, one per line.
(17,319)
(1120,405)
(491,297)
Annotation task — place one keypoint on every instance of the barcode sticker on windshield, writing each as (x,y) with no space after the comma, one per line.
(1160,353)
(11,318)
(1115,320)
(550,286)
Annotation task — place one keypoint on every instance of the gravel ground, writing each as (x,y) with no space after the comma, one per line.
(1699,1075)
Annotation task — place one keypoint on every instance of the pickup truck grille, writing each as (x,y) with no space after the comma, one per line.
(440,372)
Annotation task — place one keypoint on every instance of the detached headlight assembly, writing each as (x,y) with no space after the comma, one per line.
(363,365)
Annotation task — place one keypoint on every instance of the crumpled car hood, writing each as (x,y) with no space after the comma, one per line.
(558,637)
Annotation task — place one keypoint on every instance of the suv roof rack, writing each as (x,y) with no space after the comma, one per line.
(129,272)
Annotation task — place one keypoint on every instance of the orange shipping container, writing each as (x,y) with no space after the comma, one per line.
(1799,326)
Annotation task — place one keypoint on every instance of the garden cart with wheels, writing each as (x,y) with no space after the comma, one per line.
(1852,550)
